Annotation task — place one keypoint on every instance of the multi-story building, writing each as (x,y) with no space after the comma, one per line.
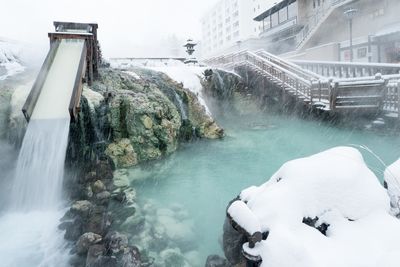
(319,29)
(306,29)
(227,24)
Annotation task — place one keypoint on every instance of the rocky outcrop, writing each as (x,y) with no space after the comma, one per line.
(229,93)
(140,119)
(216,261)
(126,120)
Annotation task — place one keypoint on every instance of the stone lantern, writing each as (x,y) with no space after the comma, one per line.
(190,44)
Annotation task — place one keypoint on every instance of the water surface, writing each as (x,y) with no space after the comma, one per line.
(205,175)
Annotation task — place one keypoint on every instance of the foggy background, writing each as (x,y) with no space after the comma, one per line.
(127,28)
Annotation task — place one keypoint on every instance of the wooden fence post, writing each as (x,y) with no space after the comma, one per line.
(333,95)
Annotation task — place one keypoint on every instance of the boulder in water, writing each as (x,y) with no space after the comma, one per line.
(98,187)
(85,241)
(216,261)
(131,258)
(116,242)
(82,208)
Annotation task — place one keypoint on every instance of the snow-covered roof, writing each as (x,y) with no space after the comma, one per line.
(389,29)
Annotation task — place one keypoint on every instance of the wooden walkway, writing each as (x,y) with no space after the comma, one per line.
(337,87)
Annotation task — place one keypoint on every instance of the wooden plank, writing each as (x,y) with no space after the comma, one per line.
(74,105)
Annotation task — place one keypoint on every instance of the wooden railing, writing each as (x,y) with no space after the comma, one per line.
(391,102)
(373,93)
(347,69)
(291,78)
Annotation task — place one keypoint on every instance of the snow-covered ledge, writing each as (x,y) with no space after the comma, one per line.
(325,210)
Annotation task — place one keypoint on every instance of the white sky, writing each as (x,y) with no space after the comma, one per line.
(126,27)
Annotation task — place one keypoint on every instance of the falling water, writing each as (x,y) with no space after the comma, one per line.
(40,166)
(181,107)
(31,237)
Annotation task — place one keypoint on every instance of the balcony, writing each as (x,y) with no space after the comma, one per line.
(280,28)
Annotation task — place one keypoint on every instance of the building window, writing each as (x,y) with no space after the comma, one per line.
(267,23)
(274,19)
(283,16)
(292,10)
(362,52)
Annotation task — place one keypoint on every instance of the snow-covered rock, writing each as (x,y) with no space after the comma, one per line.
(94,98)
(334,189)
(392,180)
(189,76)
(10,63)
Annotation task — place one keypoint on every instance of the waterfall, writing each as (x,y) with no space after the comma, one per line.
(181,106)
(31,237)
(40,165)
(220,80)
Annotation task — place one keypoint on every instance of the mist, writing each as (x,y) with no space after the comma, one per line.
(126,28)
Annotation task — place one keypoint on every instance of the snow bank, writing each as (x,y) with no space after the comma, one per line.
(392,179)
(10,63)
(189,76)
(337,187)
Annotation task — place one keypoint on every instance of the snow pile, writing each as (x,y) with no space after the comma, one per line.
(334,188)
(190,77)
(133,74)
(392,180)
(10,63)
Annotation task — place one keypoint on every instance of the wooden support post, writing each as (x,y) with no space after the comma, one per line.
(320,90)
(333,96)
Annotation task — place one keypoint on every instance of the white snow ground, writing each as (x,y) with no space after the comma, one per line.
(337,186)
(10,63)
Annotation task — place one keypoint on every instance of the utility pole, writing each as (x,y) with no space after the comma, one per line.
(350,14)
